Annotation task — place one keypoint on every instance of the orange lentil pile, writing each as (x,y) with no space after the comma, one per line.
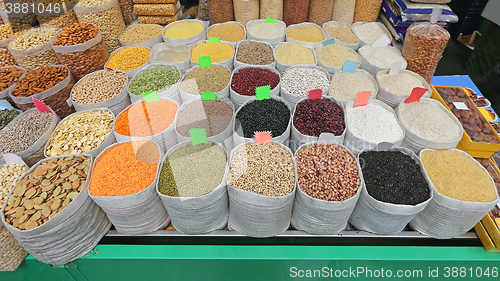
(146,118)
(125,168)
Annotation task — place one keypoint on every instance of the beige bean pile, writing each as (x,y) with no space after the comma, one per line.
(33,38)
(141,32)
(9,175)
(98,87)
(11,253)
(334,55)
(80,133)
(60,21)
(343,34)
(6,59)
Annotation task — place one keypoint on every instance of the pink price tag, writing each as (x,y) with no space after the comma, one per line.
(41,106)
(416,94)
(315,94)
(263,137)
(362,98)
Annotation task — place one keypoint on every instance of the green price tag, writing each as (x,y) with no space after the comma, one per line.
(208,96)
(263,93)
(205,61)
(150,96)
(198,136)
(270,20)
(213,39)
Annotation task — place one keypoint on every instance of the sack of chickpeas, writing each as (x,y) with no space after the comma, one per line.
(106,15)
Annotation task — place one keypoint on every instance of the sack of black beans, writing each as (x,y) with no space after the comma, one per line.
(35,152)
(282,66)
(215,116)
(192,187)
(261,188)
(297,81)
(215,78)
(138,213)
(319,195)
(371,124)
(272,33)
(257,56)
(428,124)
(353,44)
(99,81)
(273,115)
(173,55)
(463,192)
(227,63)
(310,26)
(164,81)
(397,188)
(394,88)
(5,93)
(71,230)
(311,117)
(245,79)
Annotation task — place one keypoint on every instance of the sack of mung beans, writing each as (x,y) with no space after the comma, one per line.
(130,200)
(394,88)
(307,34)
(249,78)
(164,81)
(261,188)
(386,207)
(319,195)
(428,124)
(237,63)
(271,33)
(68,230)
(215,78)
(369,125)
(342,33)
(5,93)
(462,194)
(216,116)
(98,91)
(375,59)
(192,187)
(311,118)
(56,97)
(273,115)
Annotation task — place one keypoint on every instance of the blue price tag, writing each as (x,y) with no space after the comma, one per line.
(349,66)
(328,42)
(5,105)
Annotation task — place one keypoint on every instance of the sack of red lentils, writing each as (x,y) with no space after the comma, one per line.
(383,217)
(123,184)
(192,187)
(319,195)
(261,188)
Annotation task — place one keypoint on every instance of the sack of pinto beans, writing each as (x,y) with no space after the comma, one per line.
(52,84)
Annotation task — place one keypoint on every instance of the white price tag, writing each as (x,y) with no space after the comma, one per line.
(69,102)
(460,105)
(326,138)
(13,159)
(395,68)
(383,146)
(382,41)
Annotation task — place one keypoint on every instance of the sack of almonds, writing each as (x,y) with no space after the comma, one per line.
(50,213)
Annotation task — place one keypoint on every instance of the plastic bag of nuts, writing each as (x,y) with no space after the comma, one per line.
(8,33)
(424,44)
(106,15)
(32,49)
(55,83)
(81,48)
(11,253)
(11,14)
(220,11)
(367,10)
(246,10)
(157,9)
(127,7)
(295,11)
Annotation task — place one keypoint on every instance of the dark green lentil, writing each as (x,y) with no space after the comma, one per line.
(263,115)
(393,177)
(255,53)
(153,80)
(192,171)
(212,115)
(6,116)
(206,79)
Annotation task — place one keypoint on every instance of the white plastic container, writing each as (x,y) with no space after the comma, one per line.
(340,24)
(224,93)
(164,47)
(129,73)
(272,41)
(184,41)
(307,44)
(227,63)
(392,99)
(147,43)
(171,92)
(364,43)
(235,44)
(335,69)
(245,42)
(283,67)
(238,99)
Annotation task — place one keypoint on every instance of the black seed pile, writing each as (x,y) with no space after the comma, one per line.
(263,115)
(393,177)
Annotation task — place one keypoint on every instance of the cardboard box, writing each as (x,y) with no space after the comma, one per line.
(488,244)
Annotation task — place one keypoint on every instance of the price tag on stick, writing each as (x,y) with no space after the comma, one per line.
(41,106)
(205,61)
(263,93)
(362,98)
(150,96)
(213,39)
(349,66)
(262,137)
(270,20)
(315,94)
(416,94)
(208,96)
(198,136)
(395,68)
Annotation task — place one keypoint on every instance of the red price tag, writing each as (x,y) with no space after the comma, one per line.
(41,106)
(362,98)
(263,137)
(315,94)
(416,94)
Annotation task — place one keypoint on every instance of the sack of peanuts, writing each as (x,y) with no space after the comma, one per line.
(81,48)
(423,47)
(195,198)
(127,193)
(52,84)
(8,32)
(58,222)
